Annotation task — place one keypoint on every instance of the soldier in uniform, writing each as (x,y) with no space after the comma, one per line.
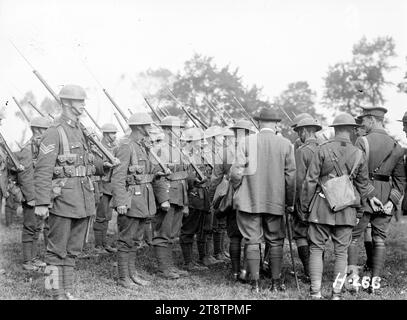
(63,186)
(103,210)
(198,222)
(167,224)
(136,187)
(333,158)
(31,223)
(306,129)
(241,129)
(218,151)
(385,160)
(404,203)
(264,175)
(298,118)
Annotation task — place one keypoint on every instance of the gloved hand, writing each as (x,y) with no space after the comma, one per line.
(165,205)
(41,211)
(121,209)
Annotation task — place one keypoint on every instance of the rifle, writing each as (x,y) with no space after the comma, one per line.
(118,120)
(223,109)
(115,105)
(285,113)
(36,109)
(131,112)
(51,116)
(93,120)
(248,116)
(183,108)
(21,109)
(19,167)
(152,109)
(216,112)
(203,124)
(91,136)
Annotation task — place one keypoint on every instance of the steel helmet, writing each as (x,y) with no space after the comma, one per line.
(109,128)
(40,122)
(171,121)
(299,117)
(140,119)
(344,119)
(192,134)
(308,122)
(214,131)
(227,132)
(243,124)
(73,92)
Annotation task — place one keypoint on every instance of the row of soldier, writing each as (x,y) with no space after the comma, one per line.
(195,184)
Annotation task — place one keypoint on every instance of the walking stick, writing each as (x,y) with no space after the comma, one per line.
(290,238)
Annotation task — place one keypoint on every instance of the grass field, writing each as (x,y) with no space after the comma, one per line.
(95,278)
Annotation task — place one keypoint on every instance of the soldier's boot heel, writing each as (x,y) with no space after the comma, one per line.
(123,269)
(254,286)
(277,286)
(133,273)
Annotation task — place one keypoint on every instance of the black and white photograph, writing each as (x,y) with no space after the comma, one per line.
(178,151)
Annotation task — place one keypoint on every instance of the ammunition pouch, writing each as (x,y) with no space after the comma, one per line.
(73,171)
(180,175)
(56,187)
(139,179)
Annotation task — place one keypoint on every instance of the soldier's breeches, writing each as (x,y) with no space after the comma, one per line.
(379,224)
(318,236)
(103,214)
(300,230)
(131,232)
(191,225)
(66,237)
(177,222)
(163,224)
(250,226)
(31,224)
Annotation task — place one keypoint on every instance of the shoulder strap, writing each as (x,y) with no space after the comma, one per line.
(64,140)
(335,162)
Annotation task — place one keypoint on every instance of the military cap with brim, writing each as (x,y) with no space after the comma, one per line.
(404,118)
(344,119)
(267,114)
(373,111)
(299,117)
(243,124)
(308,122)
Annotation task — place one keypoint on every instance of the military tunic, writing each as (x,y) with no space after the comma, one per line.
(134,184)
(62,181)
(303,157)
(103,210)
(167,224)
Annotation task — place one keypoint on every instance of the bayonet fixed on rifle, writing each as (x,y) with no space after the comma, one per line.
(216,112)
(285,113)
(93,120)
(152,109)
(36,109)
(223,109)
(90,135)
(248,116)
(21,109)
(131,112)
(120,123)
(115,105)
(183,108)
(18,166)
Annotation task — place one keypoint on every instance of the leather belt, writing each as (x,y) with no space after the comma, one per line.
(379,177)
(140,179)
(180,175)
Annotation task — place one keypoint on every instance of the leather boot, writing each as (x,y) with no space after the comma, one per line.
(123,269)
(28,264)
(68,274)
(171,264)
(163,263)
(277,285)
(134,275)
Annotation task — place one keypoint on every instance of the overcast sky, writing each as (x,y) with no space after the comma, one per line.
(272,42)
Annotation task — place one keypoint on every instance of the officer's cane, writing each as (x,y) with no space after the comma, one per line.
(291,248)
